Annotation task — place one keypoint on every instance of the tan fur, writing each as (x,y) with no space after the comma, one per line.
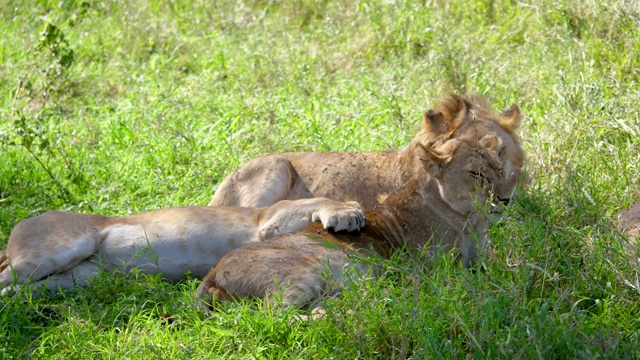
(363,176)
(437,208)
(61,249)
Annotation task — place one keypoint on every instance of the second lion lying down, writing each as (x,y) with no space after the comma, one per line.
(62,249)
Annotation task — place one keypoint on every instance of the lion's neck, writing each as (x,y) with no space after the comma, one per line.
(409,163)
(414,214)
(411,215)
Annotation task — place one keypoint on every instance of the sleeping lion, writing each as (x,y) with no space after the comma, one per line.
(437,208)
(362,177)
(63,249)
(462,150)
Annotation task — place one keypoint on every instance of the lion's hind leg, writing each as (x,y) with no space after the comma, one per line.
(209,293)
(47,244)
(267,271)
(291,270)
(79,275)
(261,182)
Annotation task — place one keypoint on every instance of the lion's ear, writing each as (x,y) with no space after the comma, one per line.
(491,141)
(451,106)
(511,118)
(432,158)
(434,122)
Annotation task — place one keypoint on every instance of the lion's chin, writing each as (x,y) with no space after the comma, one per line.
(495,214)
(495,218)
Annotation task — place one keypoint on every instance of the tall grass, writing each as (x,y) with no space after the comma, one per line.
(121,107)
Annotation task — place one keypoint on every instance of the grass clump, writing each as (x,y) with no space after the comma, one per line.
(116,108)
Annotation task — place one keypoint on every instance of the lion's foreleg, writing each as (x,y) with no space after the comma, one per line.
(288,216)
(474,242)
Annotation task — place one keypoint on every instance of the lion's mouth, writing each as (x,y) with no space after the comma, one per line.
(498,206)
(495,213)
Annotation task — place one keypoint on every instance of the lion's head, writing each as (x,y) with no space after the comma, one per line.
(470,120)
(443,198)
(471,174)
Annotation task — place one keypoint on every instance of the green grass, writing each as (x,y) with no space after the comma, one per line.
(117,108)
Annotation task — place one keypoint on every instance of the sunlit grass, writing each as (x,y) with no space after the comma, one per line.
(161,100)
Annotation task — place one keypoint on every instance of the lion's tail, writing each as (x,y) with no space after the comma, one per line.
(4,261)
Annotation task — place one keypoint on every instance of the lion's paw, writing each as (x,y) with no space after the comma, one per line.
(347,217)
(10,290)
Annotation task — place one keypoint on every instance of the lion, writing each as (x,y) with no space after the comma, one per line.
(63,249)
(437,207)
(362,177)
(629,222)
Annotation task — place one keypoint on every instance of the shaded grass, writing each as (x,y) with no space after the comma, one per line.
(162,100)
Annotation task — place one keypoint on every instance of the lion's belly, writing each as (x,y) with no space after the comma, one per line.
(170,249)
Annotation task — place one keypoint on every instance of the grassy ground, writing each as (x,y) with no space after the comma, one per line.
(121,107)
